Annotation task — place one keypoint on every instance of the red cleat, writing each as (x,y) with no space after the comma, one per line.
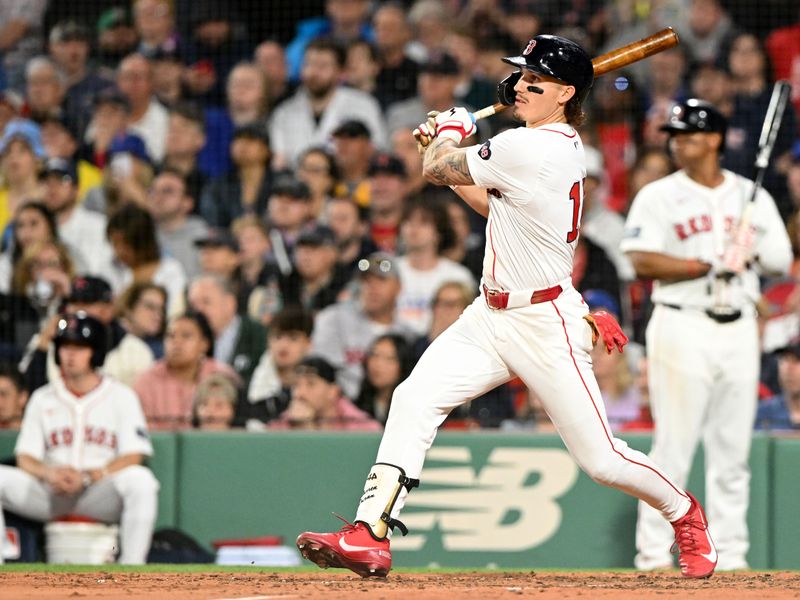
(352,547)
(697,553)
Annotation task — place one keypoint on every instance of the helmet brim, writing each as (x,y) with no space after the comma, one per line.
(521,63)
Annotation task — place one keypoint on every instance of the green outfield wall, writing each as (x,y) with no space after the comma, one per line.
(510,500)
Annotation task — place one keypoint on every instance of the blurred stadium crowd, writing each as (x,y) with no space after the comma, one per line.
(234,190)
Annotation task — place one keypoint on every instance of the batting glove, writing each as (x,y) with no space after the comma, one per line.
(605,326)
(455,124)
(426,131)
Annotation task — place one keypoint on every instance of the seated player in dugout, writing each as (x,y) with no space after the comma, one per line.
(528,320)
(81,446)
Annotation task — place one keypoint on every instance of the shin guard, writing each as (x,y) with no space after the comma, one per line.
(384,484)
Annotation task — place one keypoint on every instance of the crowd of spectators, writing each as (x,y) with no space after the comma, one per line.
(233,189)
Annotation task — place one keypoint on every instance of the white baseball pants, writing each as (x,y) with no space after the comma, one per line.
(128,497)
(703,379)
(547,345)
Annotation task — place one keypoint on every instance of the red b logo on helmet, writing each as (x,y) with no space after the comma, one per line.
(529,48)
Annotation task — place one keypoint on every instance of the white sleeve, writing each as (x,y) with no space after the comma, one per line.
(505,162)
(644,227)
(772,246)
(31,435)
(132,436)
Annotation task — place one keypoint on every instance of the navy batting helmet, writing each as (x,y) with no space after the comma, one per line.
(695,115)
(558,57)
(80,328)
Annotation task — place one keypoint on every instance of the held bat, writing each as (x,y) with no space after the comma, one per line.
(737,253)
(611,61)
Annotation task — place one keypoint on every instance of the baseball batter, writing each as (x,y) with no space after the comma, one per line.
(528,320)
(81,445)
(702,339)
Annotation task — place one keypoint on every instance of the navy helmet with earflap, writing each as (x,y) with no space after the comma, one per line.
(551,56)
(79,328)
(696,116)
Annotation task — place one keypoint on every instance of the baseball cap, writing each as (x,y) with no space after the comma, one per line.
(116,16)
(66,122)
(318,235)
(598,299)
(440,64)
(255,131)
(381,264)
(131,144)
(316,365)
(286,184)
(792,347)
(218,238)
(88,289)
(68,31)
(388,164)
(351,129)
(111,95)
(61,166)
(25,130)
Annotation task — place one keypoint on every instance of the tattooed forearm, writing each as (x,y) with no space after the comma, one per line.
(446,164)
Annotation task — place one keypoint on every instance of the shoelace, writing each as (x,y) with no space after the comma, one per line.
(686,539)
(348,526)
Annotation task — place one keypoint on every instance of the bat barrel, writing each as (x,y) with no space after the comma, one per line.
(636,51)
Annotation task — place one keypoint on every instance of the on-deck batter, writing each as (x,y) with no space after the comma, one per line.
(81,445)
(528,319)
(702,339)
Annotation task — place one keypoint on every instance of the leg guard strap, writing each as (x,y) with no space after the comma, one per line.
(381,491)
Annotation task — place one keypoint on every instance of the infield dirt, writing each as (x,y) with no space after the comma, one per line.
(424,586)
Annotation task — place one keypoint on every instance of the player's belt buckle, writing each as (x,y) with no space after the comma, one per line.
(495,299)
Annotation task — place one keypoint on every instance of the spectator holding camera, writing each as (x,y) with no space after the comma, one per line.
(126,355)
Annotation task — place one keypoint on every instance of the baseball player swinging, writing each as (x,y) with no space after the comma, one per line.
(528,320)
(702,339)
(81,445)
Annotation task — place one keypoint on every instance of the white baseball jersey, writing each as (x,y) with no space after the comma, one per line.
(680,217)
(534,177)
(86,432)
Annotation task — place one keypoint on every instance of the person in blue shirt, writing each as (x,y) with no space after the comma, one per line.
(782,411)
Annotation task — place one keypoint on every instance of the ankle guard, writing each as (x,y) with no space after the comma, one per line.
(381,490)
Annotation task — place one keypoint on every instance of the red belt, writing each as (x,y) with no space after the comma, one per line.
(498,299)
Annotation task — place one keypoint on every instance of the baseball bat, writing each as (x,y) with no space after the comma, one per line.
(611,61)
(735,254)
